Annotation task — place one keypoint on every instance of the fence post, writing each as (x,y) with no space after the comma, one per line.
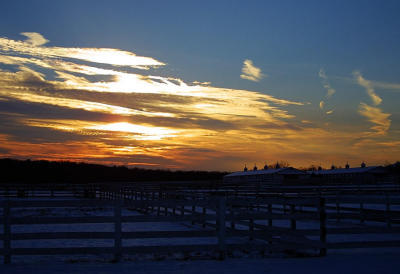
(153,197)
(117,232)
(7,233)
(388,219)
(270,214)
(292,220)
(204,215)
(251,229)
(361,212)
(322,226)
(337,208)
(232,216)
(193,211)
(221,210)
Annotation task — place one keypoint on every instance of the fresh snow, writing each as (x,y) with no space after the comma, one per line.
(333,264)
(383,260)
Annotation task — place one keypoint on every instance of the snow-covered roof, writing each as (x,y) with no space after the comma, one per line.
(372,169)
(283,171)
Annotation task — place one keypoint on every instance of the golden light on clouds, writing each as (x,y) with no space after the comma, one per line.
(33,46)
(251,72)
(142,132)
(88,104)
(377,117)
(78,104)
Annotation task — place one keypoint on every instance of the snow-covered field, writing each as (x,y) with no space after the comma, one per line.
(382,260)
(386,263)
(102,227)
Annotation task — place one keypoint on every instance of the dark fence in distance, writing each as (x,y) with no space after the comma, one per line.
(217,216)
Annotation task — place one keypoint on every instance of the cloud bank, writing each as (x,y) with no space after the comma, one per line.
(86,104)
(104,105)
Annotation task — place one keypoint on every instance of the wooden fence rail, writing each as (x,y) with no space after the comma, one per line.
(329,206)
(220,219)
(216,214)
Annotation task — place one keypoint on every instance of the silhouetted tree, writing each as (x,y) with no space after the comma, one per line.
(41,171)
(279,164)
(310,168)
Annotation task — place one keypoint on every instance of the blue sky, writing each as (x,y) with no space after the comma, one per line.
(212,37)
(302,49)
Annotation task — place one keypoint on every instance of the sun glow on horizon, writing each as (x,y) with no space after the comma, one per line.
(141,132)
(58,100)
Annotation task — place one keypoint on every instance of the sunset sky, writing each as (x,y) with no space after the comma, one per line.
(205,85)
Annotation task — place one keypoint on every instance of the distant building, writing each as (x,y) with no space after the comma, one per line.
(292,176)
(363,174)
(265,176)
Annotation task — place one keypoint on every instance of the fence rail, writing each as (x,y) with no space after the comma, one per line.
(224,221)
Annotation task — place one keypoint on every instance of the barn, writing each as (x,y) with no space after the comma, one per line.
(357,175)
(266,176)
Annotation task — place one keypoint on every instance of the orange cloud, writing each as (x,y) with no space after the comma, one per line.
(55,107)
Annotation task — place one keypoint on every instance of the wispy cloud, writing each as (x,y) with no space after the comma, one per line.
(251,72)
(376,116)
(55,106)
(329,89)
(369,87)
(322,105)
(78,104)
(126,114)
(33,46)
(387,86)
(34,38)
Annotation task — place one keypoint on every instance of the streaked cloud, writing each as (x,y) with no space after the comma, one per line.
(251,72)
(391,144)
(376,100)
(82,104)
(386,86)
(373,114)
(78,104)
(110,56)
(128,116)
(143,132)
(376,116)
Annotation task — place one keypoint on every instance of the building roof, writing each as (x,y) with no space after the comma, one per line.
(282,171)
(354,170)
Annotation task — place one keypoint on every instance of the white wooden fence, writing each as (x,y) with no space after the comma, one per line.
(216,217)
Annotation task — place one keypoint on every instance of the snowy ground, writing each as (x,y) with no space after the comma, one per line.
(338,261)
(334,264)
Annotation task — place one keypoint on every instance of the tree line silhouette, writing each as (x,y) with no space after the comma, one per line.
(41,171)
